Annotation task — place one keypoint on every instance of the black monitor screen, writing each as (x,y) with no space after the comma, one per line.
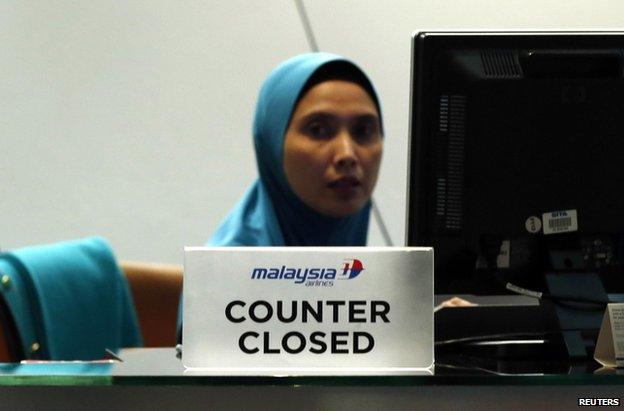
(517,157)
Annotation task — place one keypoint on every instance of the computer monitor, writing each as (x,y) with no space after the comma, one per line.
(517,157)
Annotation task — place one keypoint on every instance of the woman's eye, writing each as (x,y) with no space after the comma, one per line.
(318,130)
(364,131)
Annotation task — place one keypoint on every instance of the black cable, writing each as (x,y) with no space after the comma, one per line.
(382,226)
(493,337)
(559,299)
(488,371)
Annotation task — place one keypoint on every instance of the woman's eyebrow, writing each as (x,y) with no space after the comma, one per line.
(321,114)
(367,117)
(317,115)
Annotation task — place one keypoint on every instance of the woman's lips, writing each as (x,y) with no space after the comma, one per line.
(345,182)
(346,187)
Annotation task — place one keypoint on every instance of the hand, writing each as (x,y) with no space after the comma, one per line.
(454,302)
(457,302)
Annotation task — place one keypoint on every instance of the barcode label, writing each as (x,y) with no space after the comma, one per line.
(560,221)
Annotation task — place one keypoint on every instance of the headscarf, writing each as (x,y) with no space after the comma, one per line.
(270,213)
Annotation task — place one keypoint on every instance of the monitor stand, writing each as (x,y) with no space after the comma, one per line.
(579,323)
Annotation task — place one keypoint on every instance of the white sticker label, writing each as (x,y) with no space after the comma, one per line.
(502,260)
(616,312)
(533,224)
(560,222)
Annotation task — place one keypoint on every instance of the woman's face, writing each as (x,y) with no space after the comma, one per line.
(332,148)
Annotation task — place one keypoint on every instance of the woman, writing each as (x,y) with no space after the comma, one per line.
(318,139)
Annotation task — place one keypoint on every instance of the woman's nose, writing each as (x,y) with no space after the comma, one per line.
(345,156)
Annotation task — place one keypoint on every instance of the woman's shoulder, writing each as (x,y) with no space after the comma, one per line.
(251,223)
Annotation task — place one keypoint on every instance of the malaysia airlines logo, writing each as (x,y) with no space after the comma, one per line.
(310,276)
(352,269)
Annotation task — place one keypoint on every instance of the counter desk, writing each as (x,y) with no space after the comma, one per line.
(155,377)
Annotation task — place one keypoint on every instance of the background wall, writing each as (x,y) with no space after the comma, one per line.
(132,120)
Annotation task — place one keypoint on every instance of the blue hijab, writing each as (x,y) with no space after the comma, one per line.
(270,213)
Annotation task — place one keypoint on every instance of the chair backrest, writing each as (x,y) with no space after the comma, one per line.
(156,290)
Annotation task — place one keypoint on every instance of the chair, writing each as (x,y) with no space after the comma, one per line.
(156,292)
(68,301)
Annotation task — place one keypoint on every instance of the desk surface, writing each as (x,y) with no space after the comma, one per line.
(160,366)
(155,378)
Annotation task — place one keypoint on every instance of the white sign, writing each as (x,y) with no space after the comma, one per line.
(308,311)
(610,346)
